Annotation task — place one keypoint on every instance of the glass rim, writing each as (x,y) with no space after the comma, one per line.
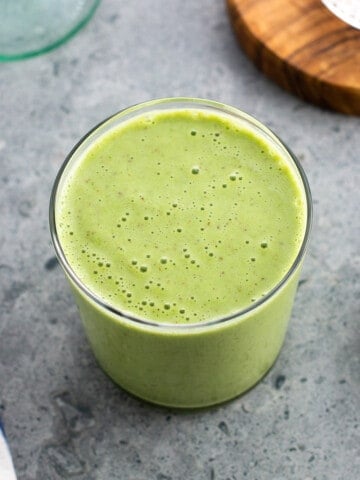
(9,55)
(186,102)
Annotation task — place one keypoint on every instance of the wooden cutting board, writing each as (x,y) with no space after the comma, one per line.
(303,47)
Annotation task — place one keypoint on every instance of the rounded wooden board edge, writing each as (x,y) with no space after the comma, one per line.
(309,87)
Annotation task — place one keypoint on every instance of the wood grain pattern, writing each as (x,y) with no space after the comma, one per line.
(303,47)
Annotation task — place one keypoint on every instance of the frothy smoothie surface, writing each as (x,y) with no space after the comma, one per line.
(181,216)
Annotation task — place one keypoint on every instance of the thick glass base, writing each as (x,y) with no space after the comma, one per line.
(32,28)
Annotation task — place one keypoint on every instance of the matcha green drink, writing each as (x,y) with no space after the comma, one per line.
(181,225)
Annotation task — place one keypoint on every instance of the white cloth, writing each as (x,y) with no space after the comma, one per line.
(7,471)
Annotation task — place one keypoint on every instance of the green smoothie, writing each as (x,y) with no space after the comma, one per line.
(178,227)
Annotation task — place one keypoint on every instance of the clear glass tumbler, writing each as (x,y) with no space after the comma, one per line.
(185,365)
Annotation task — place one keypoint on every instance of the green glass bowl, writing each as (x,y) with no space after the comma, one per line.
(32,27)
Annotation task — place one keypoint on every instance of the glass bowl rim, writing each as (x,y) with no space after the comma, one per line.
(49,45)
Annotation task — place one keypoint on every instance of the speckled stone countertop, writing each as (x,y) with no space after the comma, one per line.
(64,418)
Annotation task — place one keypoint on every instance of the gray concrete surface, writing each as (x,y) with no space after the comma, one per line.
(64,417)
